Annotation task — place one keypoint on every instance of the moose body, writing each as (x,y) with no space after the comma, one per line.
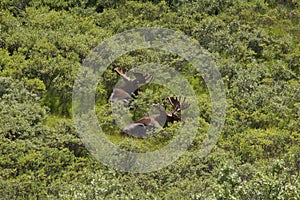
(150,122)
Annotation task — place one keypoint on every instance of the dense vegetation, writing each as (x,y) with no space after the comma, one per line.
(256,45)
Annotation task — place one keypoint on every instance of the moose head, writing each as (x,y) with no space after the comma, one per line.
(161,119)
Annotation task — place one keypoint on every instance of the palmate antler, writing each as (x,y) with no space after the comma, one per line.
(120,72)
(125,91)
(132,85)
(177,104)
(139,77)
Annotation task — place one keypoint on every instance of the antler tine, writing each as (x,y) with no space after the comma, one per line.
(184,105)
(171,102)
(174,102)
(141,78)
(148,78)
(120,71)
(178,103)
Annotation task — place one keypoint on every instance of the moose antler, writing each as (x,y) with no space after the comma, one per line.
(120,72)
(139,77)
(132,85)
(124,92)
(177,104)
